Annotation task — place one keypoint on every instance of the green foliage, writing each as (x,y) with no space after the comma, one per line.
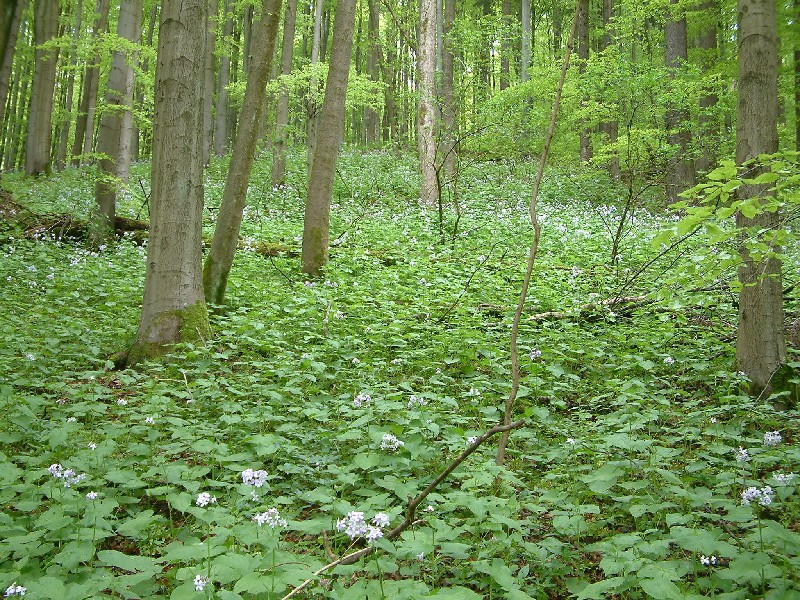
(625,480)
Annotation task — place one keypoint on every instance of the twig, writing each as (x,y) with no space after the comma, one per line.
(349,559)
(512,396)
(467,284)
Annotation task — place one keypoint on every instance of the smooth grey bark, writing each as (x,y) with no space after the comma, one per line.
(313,117)
(760,338)
(40,115)
(680,173)
(525,53)
(797,78)
(114,136)
(210,71)
(173,307)
(223,79)
(316,224)
(15,120)
(145,68)
(426,108)
(84,126)
(10,18)
(372,123)
(505,45)
(219,261)
(282,111)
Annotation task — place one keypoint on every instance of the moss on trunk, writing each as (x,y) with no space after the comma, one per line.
(189,324)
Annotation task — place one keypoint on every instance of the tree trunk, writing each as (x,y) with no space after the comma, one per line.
(113,139)
(226,233)
(61,156)
(760,340)
(371,117)
(84,126)
(316,41)
(449,104)
(707,122)
(680,168)
(152,20)
(525,52)
(10,18)
(582,33)
(505,45)
(797,78)
(210,70)
(282,112)
(40,117)
(15,119)
(223,79)
(426,110)
(610,128)
(173,307)
(316,224)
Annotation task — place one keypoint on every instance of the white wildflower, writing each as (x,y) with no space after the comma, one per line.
(390,442)
(353,524)
(708,560)
(772,438)
(91,496)
(200,583)
(254,478)
(535,354)
(472,440)
(15,590)
(373,533)
(204,499)
(362,399)
(380,520)
(782,478)
(742,455)
(271,517)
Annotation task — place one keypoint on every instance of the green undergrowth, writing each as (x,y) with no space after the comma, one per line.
(351,391)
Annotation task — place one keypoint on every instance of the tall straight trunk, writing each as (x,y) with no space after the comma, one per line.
(316,41)
(449,104)
(282,112)
(426,109)
(525,52)
(557,29)
(145,68)
(316,224)
(16,117)
(173,307)
(10,19)
(84,125)
(760,339)
(582,33)
(210,71)
(680,173)
(218,264)
(223,79)
(372,118)
(708,124)
(114,137)
(505,46)
(61,156)
(40,117)
(610,128)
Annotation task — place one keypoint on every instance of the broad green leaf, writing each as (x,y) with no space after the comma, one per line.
(661,589)
(127,562)
(455,593)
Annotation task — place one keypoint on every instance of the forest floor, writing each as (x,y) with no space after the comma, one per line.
(643,469)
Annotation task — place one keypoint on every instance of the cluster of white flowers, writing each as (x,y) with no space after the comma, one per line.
(15,590)
(91,496)
(354,525)
(271,517)
(772,438)
(200,583)
(69,476)
(390,442)
(204,499)
(362,399)
(471,440)
(536,354)
(254,478)
(669,360)
(150,420)
(416,401)
(763,495)
(742,455)
(708,560)
(783,478)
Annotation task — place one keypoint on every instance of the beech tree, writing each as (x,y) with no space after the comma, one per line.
(116,124)
(282,112)
(760,338)
(40,117)
(426,109)
(316,223)
(229,219)
(173,307)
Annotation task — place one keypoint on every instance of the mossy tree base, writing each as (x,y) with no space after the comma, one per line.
(189,324)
